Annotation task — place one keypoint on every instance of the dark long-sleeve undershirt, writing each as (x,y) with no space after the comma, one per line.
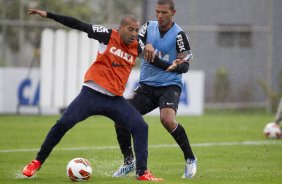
(180,68)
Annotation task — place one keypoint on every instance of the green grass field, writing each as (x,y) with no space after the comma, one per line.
(230,148)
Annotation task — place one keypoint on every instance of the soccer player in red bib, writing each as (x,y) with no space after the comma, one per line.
(103,87)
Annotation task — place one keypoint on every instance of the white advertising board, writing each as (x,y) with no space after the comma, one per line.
(16,88)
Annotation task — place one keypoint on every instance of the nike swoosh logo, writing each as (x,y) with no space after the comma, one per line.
(114,64)
(169,103)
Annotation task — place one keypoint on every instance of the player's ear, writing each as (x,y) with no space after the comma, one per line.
(120,28)
(173,12)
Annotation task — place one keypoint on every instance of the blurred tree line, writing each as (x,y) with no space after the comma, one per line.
(17,27)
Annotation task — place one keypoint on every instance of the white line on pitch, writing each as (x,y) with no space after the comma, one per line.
(154,146)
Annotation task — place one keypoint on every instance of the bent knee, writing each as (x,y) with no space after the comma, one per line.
(167,120)
(168,123)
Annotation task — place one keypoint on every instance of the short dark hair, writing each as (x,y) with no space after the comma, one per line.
(125,18)
(168,2)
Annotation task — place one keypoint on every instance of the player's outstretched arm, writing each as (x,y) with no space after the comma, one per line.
(174,64)
(64,20)
(179,66)
(37,12)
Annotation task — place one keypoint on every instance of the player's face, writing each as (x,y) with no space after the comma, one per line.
(164,16)
(129,31)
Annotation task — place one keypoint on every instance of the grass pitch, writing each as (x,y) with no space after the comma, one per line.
(230,148)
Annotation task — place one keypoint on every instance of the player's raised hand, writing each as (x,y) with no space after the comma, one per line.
(38,12)
(174,65)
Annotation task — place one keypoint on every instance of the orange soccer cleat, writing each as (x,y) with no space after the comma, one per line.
(148,176)
(30,169)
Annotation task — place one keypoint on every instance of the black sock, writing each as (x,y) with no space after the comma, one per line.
(140,172)
(181,138)
(124,140)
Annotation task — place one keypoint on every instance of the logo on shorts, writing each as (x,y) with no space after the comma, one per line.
(169,103)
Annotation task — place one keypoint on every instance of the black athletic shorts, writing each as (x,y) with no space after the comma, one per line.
(146,98)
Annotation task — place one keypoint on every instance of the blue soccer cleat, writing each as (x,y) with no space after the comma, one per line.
(190,168)
(124,169)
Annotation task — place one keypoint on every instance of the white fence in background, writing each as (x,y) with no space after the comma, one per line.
(65,57)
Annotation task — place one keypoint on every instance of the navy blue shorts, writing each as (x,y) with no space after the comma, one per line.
(147,98)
